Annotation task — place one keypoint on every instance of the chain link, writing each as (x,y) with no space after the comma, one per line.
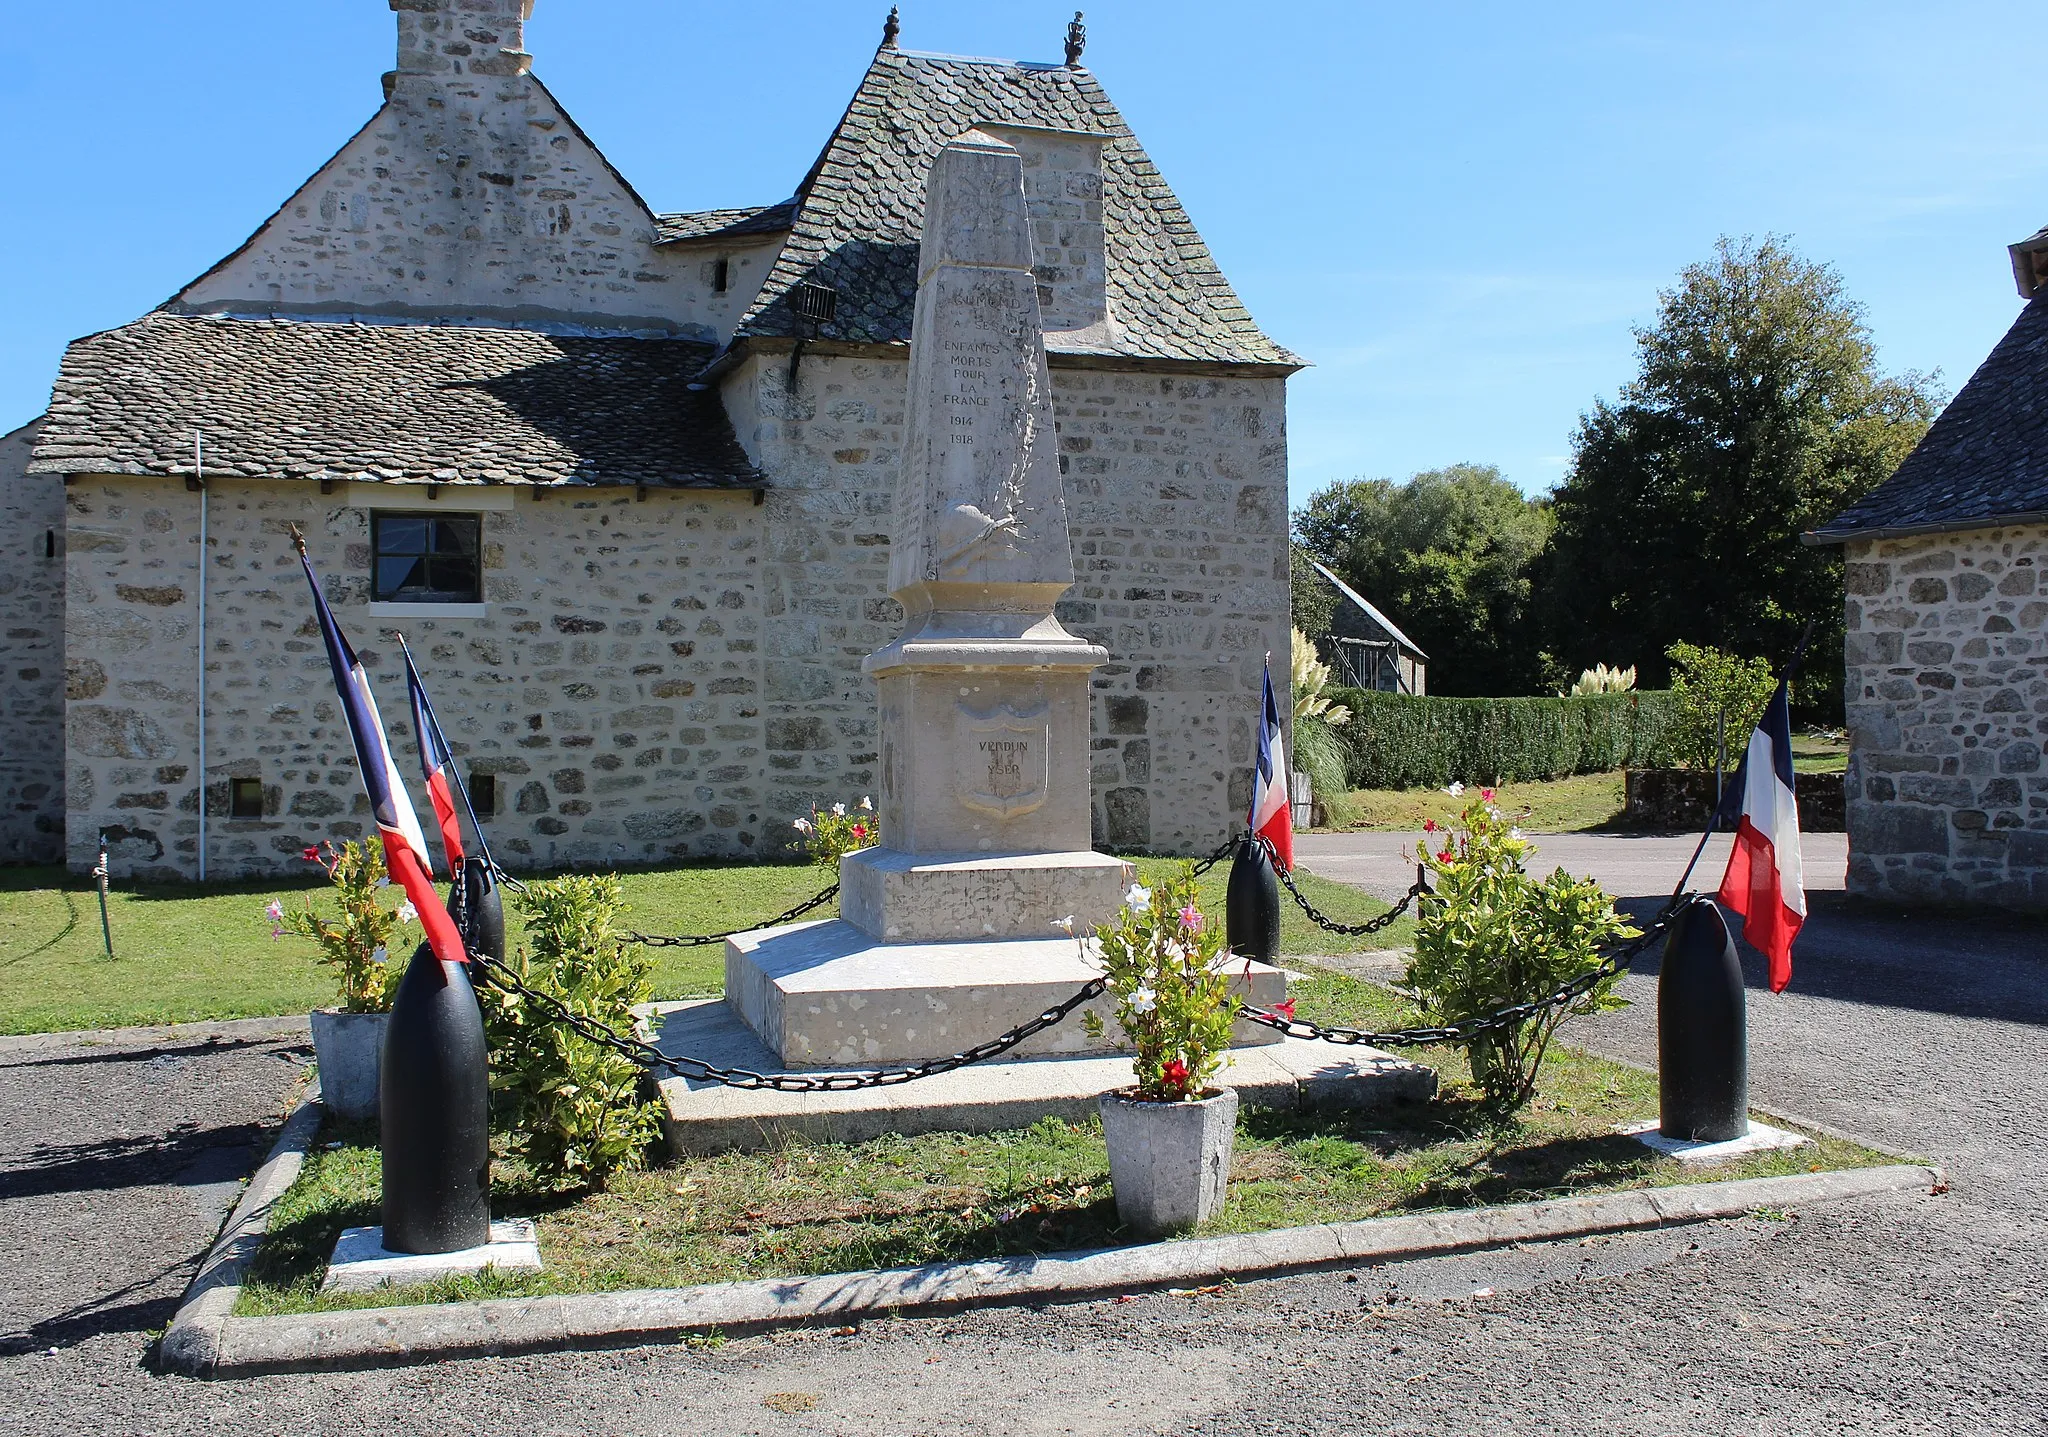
(647,1055)
(1467,1029)
(699,940)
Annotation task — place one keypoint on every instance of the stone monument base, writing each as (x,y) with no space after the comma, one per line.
(923,898)
(1002,1094)
(362,1264)
(825,994)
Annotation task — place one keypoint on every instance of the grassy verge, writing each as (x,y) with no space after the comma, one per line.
(819,1208)
(1563,805)
(186,954)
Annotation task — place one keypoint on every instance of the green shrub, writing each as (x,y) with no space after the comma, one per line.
(1715,695)
(357,944)
(1492,937)
(574,1111)
(1401,741)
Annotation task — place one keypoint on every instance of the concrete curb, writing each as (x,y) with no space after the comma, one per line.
(245,1346)
(192,1343)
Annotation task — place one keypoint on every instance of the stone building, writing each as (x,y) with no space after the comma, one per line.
(621,478)
(1947,648)
(1364,648)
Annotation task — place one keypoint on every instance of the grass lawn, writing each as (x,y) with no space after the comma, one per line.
(1814,754)
(186,954)
(1562,805)
(898,1201)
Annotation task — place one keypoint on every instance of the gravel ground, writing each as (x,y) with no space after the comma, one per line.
(1901,1315)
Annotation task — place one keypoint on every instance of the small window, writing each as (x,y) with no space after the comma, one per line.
(245,798)
(483,794)
(721,274)
(427,559)
(49,543)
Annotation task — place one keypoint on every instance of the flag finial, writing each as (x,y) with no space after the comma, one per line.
(298,540)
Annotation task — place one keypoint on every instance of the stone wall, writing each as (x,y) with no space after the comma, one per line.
(471,193)
(31,657)
(611,682)
(1948,712)
(1177,498)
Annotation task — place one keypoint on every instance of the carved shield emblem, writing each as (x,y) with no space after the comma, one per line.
(1004,760)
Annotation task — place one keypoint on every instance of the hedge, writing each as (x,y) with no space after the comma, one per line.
(1399,741)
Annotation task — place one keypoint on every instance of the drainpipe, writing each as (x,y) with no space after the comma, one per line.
(199,477)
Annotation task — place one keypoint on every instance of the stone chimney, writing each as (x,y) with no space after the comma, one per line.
(1063,190)
(462,37)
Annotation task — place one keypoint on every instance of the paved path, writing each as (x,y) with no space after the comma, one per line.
(1901,1315)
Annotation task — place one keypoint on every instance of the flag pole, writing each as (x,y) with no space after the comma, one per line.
(461,788)
(1714,819)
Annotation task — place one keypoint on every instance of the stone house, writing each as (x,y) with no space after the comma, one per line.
(1947,647)
(1364,648)
(622,479)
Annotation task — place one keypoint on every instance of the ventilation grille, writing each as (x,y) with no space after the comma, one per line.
(816,302)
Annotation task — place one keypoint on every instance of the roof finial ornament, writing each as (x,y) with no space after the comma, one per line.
(1077,41)
(891,28)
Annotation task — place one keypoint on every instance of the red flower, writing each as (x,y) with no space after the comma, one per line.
(1446,856)
(1486,795)
(311,855)
(1429,825)
(1285,1009)
(1174,1074)
(860,830)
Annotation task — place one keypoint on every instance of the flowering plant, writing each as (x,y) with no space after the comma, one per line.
(1491,936)
(358,943)
(1165,963)
(829,834)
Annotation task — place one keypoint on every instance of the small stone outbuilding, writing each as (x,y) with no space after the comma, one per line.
(1364,648)
(621,477)
(1947,649)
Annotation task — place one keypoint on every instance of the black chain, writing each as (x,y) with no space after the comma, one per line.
(1467,1029)
(647,1055)
(699,940)
(1203,865)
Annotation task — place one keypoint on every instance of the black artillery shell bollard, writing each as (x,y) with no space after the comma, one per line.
(1251,905)
(434,1104)
(1702,1030)
(484,907)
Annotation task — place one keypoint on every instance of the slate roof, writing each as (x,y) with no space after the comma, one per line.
(1985,460)
(860,213)
(1366,604)
(747,223)
(427,403)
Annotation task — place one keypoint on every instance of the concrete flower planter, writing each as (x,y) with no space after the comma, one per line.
(349,1047)
(1168,1162)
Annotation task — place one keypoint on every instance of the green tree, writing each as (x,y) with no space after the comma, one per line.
(1447,555)
(1757,413)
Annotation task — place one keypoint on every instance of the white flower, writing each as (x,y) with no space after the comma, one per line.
(378,955)
(1514,833)
(1065,924)
(867,803)
(839,810)
(1175,949)
(1455,789)
(1144,1000)
(802,825)
(407,913)
(1138,899)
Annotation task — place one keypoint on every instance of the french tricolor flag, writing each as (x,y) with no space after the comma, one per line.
(405,847)
(1271,817)
(1764,882)
(437,762)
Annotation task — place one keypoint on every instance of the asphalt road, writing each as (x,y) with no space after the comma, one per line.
(1914,1314)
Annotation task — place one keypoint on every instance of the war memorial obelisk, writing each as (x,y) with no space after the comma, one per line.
(947,934)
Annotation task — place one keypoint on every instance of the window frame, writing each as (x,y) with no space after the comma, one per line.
(427,599)
(237,787)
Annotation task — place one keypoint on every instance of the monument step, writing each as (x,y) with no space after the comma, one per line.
(933,897)
(826,994)
(982,1098)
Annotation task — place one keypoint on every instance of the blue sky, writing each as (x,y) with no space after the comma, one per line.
(1455,212)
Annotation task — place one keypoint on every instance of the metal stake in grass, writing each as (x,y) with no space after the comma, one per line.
(99,874)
